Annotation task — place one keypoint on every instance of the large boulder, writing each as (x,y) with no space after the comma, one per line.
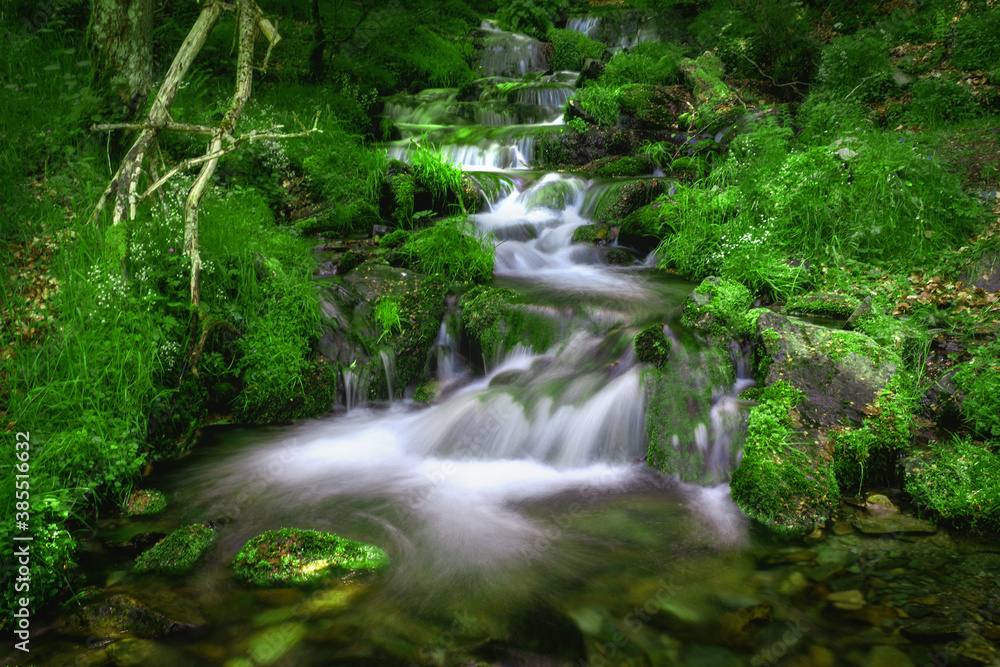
(717,308)
(840,373)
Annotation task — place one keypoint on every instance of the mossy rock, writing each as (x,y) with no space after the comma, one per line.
(703,77)
(651,346)
(717,308)
(598,234)
(295,557)
(620,166)
(647,107)
(125,616)
(868,455)
(784,479)
(144,501)
(840,373)
(495,320)
(350,260)
(833,306)
(641,229)
(178,551)
(620,202)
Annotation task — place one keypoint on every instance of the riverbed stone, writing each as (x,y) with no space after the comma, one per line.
(888,656)
(178,551)
(122,615)
(883,524)
(295,557)
(144,653)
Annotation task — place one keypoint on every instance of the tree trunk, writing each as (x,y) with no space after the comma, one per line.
(317,66)
(121,48)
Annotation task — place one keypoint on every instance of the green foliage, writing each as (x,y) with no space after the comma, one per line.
(856,65)
(571,48)
(435,172)
(454,249)
(979,380)
(868,196)
(648,63)
(827,115)
(531,17)
(976,43)
(394,239)
(960,481)
(601,102)
(940,100)
(717,306)
(578,125)
(387,315)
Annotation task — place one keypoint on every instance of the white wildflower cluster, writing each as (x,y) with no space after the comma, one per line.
(365,97)
(748,242)
(263,118)
(111,289)
(169,352)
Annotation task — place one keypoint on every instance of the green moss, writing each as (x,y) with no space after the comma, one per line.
(782,481)
(717,307)
(651,346)
(393,239)
(960,481)
(868,454)
(823,305)
(145,501)
(291,556)
(616,166)
(496,321)
(680,399)
(592,234)
(178,551)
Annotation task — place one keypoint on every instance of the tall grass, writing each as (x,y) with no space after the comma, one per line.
(872,196)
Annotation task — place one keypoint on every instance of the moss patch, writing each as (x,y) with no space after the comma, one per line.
(496,321)
(836,306)
(717,307)
(783,481)
(178,551)
(651,346)
(291,556)
(144,501)
(959,481)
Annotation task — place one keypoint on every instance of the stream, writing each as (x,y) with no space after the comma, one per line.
(522,523)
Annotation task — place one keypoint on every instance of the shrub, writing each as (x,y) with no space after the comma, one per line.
(856,66)
(531,17)
(647,63)
(976,43)
(941,100)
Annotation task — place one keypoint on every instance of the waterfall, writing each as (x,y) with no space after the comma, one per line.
(584,24)
(387,360)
